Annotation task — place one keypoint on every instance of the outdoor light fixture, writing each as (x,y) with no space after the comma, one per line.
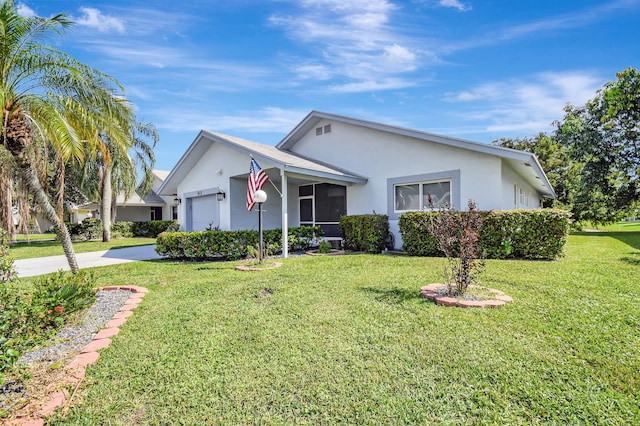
(260,197)
(177,200)
(220,195)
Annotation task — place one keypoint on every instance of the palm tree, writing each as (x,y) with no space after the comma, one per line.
(113,171)
(48,96)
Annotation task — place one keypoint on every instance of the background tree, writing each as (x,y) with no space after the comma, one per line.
(604,136)
(561,170)
(48,96)
(112,171)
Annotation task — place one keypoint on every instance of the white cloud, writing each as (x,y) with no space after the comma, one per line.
(354,40)
(265,120)
(26,11)
(526,105)
(95,19)
(373,85)
(456,4)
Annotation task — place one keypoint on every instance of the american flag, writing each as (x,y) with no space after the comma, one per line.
(257,179)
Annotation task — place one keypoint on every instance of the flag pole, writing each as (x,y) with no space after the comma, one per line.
(271,182)
(275,187)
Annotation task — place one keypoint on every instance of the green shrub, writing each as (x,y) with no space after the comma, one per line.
(366,232)
(122,230)
(151,228)
(7,271)
(324,247)
(304,237)
(88,229)
(522,234)
(226,244)
(28,319)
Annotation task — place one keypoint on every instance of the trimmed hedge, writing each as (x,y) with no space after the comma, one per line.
(365,232)
(151,228)
(522,234)
(203,245)
(91,229)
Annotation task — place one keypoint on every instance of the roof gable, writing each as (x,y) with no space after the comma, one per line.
(525,163)
(283,160)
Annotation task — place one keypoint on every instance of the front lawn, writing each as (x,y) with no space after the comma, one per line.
(615,227)
(28,250)
(346,339)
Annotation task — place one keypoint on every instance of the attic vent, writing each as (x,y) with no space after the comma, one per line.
(327,128)
(318,131)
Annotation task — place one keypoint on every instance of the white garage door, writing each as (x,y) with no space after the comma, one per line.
(204,213)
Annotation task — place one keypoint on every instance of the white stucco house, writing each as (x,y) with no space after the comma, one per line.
(331,165)
(136,208)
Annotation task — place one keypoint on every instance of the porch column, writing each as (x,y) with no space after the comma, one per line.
(285,216)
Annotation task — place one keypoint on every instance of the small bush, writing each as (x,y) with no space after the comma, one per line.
(27,319)
(324,247)
(88,229)
(458,238)
(367,232)
(7,271)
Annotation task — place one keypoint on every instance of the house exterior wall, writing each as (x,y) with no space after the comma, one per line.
(168,200)
(514,187)
(386,159)
(133,214)
(217,169)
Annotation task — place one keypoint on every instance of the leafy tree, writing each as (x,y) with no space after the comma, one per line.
(554,158)
(112,170)
(604,135)
(51,100)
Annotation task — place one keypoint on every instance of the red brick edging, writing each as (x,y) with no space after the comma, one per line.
(76,369)
(429,292)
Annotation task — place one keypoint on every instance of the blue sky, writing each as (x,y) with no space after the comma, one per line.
(477,70)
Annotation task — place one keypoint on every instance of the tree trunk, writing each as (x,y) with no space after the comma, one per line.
(6,212)
(105,214)
(60,199)
(33,183)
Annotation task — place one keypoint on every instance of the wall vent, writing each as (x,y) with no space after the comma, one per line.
(327,128)
(318,131)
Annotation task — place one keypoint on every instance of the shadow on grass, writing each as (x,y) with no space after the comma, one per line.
(394,296)
(630,238)
(634,259)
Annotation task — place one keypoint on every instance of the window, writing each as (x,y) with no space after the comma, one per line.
(322,204)
(174,212)
(156,213)
(415,196)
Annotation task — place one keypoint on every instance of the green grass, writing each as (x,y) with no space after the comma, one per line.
(347,340)
(616,227)
(34,237)
(53,248)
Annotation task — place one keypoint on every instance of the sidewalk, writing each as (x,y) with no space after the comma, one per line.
(46,265)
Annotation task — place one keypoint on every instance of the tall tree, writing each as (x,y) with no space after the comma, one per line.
(113,170)
(604,135)
(554,158)
(48,96)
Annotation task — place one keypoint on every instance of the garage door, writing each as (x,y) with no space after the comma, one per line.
(204,212)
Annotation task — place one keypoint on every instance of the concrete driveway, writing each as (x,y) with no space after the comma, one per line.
(46,265)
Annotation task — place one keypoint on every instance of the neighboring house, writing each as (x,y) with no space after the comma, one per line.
(331,165)
(136,208)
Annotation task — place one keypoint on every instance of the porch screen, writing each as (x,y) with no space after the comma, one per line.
(323,204)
